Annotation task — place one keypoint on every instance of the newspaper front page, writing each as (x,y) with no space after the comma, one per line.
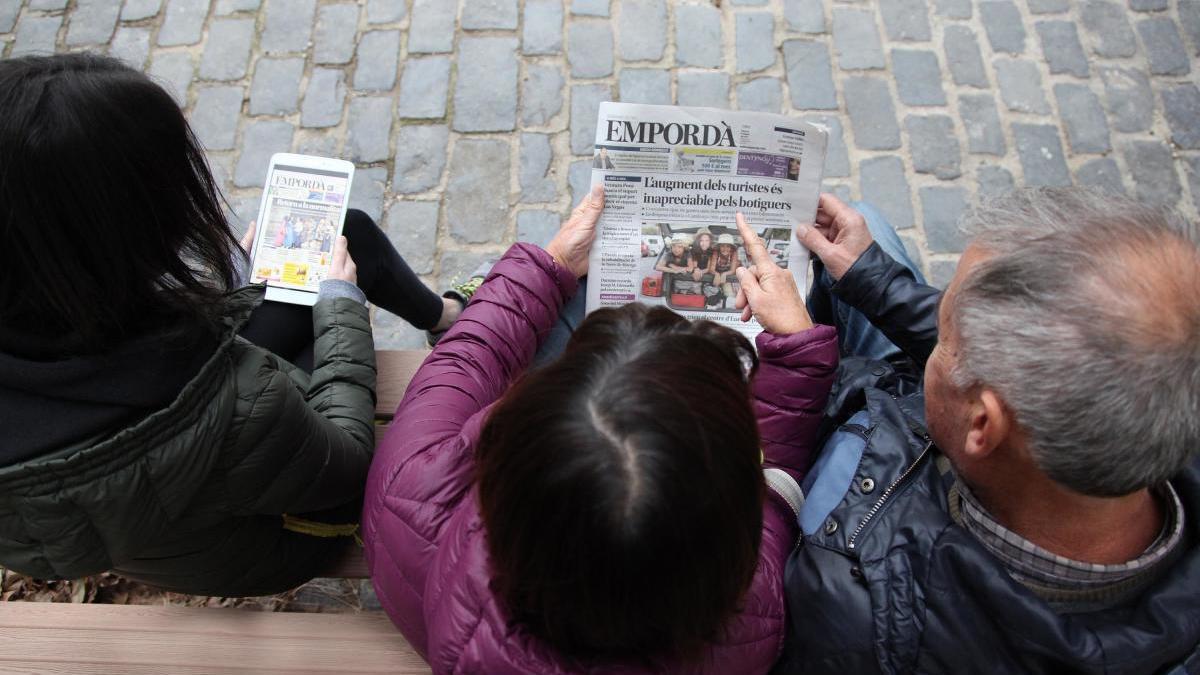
(674,179)
(302,222)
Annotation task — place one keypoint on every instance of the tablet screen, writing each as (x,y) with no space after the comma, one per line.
(301,222)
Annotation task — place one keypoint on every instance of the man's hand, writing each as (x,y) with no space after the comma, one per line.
(839,236)
(768,292)
(343,267)
(571,246)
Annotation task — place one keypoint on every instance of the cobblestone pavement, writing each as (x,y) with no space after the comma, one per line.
(469,119)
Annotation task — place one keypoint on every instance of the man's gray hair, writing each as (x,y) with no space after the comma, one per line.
(1085,317)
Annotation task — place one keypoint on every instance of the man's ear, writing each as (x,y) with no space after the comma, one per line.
(990,424)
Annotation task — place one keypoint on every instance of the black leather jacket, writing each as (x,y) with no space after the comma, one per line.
(891,584)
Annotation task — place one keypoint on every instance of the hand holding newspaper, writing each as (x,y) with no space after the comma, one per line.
(674,179)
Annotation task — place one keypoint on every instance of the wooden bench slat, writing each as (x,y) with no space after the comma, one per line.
(396,368)
(58,637)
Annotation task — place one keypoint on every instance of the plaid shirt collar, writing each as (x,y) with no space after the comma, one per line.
(1028,561)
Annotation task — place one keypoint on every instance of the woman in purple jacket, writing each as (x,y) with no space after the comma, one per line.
(618,510)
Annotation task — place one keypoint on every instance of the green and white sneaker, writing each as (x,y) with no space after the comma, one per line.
(462,293)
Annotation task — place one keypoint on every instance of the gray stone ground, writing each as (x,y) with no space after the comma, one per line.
(471,120)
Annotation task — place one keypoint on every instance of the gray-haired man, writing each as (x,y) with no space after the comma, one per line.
(1047,518)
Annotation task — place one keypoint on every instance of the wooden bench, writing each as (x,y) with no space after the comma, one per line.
(86,639)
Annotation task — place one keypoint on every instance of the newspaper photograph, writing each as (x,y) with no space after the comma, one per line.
(302,221)
(674,179)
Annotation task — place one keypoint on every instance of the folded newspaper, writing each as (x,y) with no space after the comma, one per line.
(674,179)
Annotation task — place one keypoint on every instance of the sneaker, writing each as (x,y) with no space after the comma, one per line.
(460,292)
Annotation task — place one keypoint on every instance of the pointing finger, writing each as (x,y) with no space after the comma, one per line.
(755,249)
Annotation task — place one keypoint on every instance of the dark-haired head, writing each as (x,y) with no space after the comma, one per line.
(621,487)
(109,216)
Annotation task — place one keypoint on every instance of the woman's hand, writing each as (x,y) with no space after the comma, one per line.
(573,243)
(248,238)
(768,293)
(343,267)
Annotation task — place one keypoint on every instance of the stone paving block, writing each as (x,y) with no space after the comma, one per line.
(941,272)
(260,140)
(589,7)
(366,192)
(173,70)
(316,142)
(856,39)
(1061,47)
(9,9)
(183,22)
(537,227)
(1021,86)
(1153,169)
(709,90)
(288,26)
(477,192)
(764,94)
(1002,21)
(378,58)
(1102,173)
(884,186)
(643,30)
(579,179)
(754,38)
(953,9)
(590,49)
(645,85)
(586,101)
(334,40)
(839,190)
(431,30)
(215,116)
(804,16)
(757,3)
(933,145)
(424,87)
(1189,19)
(484,14)
(412,228)
(913,251)
(534,175)
(905,19)
(541,94)
(368,126)
(420,157)
(542,33)
(941,207)
(457,266)
(837,158)
(1041,154)
(810,75)
(962,54)
(918,77)
(36,35)
(227,51)
(136,10)
(485,94)
(1182,106)
(1148,5)
(131,44)
(1079,108)
(982,123)
(1129,100)
(385,11)
(244,209)
(275,89)
(1192,170)
(1164,47)
(994,181)
(698,36)
(324,98)
(1048,6)
(225,7)
(92,22)
(389,332)
(872,114)
(1109,28)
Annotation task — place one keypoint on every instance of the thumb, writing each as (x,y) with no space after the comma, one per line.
(813,240)
(590,208)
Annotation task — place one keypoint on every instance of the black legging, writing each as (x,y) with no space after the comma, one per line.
(384,277)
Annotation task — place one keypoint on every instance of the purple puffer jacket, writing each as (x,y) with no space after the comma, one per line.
(425,543)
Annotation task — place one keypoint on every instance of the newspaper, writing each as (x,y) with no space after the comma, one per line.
(674,179)
(302,219)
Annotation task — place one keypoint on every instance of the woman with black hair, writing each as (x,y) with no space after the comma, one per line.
(153,420)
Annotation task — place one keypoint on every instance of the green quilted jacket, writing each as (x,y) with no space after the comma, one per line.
(192,497)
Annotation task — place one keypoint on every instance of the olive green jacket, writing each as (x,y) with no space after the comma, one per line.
(191,497)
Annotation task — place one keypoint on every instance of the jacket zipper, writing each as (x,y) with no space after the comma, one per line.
(888,493)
